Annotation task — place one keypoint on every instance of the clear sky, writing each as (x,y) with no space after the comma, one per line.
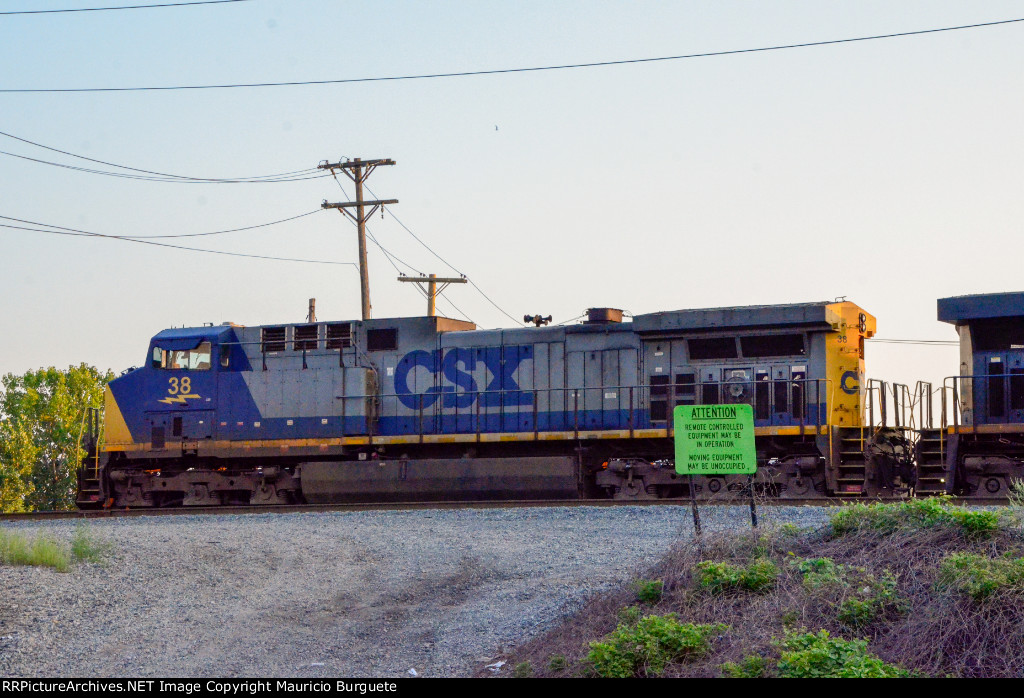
(886,171)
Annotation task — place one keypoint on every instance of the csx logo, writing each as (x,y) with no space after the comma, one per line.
(456,368)
(849,382)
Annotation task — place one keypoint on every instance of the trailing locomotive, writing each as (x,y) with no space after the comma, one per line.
(979,448)
(433,408)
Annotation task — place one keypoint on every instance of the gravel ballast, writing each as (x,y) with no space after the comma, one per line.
(372,593)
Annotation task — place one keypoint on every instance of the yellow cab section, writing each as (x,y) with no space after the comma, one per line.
(115,429)
(844,361)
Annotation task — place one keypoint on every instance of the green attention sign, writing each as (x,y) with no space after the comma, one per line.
(715,440)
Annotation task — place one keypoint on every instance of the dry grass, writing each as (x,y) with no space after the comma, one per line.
(41,551)
(933,630)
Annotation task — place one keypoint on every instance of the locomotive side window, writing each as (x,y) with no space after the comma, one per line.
(761,345)
(799,390)
(686,388)
(996,388)
(659,398)
(712,348)
(381,340)
(998,335)
(197,359)
(762,399)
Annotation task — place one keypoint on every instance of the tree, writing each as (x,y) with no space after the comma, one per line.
(42,416)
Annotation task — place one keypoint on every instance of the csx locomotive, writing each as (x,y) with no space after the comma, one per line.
(979,448)
(433,408)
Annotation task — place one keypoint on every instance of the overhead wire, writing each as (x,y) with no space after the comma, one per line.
(61,230)
(221,232)
(120,7)
(127,175)
(392,258)
(532,69)
(446,262)
(306,171)
(923,342)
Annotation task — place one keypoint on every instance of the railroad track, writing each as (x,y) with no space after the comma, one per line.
(414,506)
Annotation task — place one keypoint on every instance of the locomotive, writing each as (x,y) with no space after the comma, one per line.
(978,450)
(431,408)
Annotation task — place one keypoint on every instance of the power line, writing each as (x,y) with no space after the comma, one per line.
(122,7)
(923,342)
(502,71)
(60,230)
(308,170)
(391,257)
(450,266)
(218,232)
(174,178)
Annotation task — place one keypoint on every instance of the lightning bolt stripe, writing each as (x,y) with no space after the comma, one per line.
(180,399)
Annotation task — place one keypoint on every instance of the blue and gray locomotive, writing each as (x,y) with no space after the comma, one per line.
(433,408)
(978,451)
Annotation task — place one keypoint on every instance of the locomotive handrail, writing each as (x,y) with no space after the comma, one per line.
(804,407)
(923,398)
(964,384)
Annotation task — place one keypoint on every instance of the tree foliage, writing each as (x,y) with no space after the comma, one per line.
(42,415)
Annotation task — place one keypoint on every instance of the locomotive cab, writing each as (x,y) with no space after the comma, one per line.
(985,451)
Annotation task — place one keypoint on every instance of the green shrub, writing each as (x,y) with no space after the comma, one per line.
(819,655)
(85,548)
(630,615)
(42,551)
(753,666)
(980,576)
(869,602)
(759,575)
(649,646)
(820,572)
(523,670)
(649,590)
(557,662)
(912,514)
(858,596)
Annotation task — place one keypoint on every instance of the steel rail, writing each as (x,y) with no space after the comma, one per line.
(475,504)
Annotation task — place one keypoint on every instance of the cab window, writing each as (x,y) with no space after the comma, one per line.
(197,359)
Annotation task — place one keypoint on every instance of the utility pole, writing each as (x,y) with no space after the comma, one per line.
(358,170)
(432,290)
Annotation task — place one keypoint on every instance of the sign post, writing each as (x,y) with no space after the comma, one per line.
(715,440)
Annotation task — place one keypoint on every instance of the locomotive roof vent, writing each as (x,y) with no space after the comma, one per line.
(603,316)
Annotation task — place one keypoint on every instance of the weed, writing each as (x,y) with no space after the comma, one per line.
(871,599)
(932,512)
(819,655)
(85,548)
(648,591)
(630,615)
(789,618)
(753,666)
(858,596)
(819,572)
(523,670)
(558,662)
(649,646)
(1015,509)
(758,576)
(980,576)
(16,549)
